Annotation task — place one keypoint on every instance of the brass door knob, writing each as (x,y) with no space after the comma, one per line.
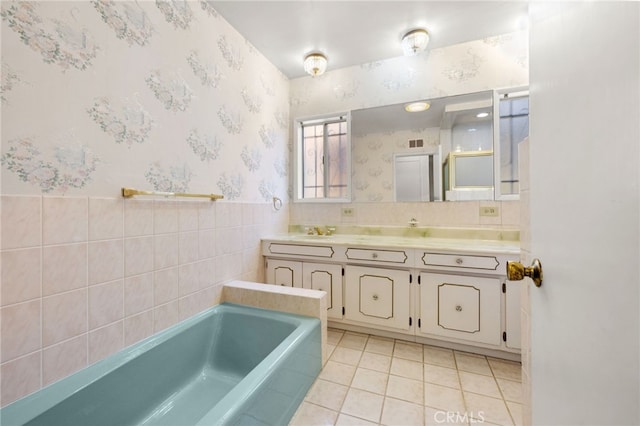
(516,271)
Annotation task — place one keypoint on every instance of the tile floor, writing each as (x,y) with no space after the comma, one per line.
(371,380)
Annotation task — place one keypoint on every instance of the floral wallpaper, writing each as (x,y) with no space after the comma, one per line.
(372,156)
(495,62)
(161,95)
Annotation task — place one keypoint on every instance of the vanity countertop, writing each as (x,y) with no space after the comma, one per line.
(435,243)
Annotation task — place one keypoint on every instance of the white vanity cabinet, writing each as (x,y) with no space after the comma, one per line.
(453,293)
(326,277)
(378,297)
(314,275)
(466,297)
(461,307)
(287,273)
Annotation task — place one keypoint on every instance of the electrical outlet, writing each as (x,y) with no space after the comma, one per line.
(489,211)
(347,212)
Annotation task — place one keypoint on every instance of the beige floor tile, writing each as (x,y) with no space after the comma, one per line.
(472,363)
(363,404)
(407,350)
(334,336)
(330,349)
(439,356)
(437,417)
(337,372)
(405,389)
(516,412)
(406,368)
(396,413)
(354,340)
(441,376)
(492,410)
(346,420)
(506,369)
(370,380)
(380,345)
(327,394)
(511,391)
(374,361)
(444,398)
(313,415)
(478,383)
(346,355)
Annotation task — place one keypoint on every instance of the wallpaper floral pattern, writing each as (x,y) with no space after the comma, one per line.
(161,95)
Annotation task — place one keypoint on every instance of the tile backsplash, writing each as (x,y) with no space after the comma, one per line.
(83,277)
(456,214)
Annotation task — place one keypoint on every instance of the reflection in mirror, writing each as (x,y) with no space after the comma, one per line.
(466,136)
(380,135)
(415,178)
(513,126)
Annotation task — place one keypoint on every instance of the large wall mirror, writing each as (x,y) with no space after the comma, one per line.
(461,148)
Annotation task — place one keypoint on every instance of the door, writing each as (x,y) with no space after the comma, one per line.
(460,306)
(287,273)
(582,358)
(413,177)
(325,277)
(378,296)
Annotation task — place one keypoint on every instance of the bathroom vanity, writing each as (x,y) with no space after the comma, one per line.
(445,287)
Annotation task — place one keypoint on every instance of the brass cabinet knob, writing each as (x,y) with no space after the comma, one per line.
(375,297)
(458,308)
(516,271)
(459,261)
(374,255)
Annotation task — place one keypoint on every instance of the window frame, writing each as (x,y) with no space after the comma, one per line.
(520,91)
(298,158)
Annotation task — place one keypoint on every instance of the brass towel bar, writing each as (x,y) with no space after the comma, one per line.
(130,192)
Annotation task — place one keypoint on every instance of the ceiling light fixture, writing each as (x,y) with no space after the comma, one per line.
(315,64)
(417,106)
(482,114)
(414,42)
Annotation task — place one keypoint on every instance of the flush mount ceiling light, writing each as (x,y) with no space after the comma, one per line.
(482,114)
(417,106)
(414,42)
(315,64)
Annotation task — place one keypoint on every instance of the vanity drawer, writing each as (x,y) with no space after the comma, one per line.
(462,261)
(299,250)
(400,257)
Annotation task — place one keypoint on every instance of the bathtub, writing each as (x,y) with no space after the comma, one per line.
(231,364)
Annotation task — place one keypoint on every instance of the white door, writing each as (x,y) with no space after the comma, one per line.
(584,213)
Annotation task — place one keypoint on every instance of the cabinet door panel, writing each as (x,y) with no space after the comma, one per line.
(378,296)
(461,307)
(284,272)
(512,317)
(325,277)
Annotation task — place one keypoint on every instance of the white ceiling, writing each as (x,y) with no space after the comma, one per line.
(357,32)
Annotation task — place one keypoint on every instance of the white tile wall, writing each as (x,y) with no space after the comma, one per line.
(456,214)
(84,277)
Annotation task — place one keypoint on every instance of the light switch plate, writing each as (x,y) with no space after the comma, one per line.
(347,212)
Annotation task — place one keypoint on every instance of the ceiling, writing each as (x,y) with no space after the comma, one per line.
(357,32)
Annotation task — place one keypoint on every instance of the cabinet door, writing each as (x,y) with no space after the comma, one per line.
(512,315)
(284,272)
(378,296)
(325,277)
(461,307)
